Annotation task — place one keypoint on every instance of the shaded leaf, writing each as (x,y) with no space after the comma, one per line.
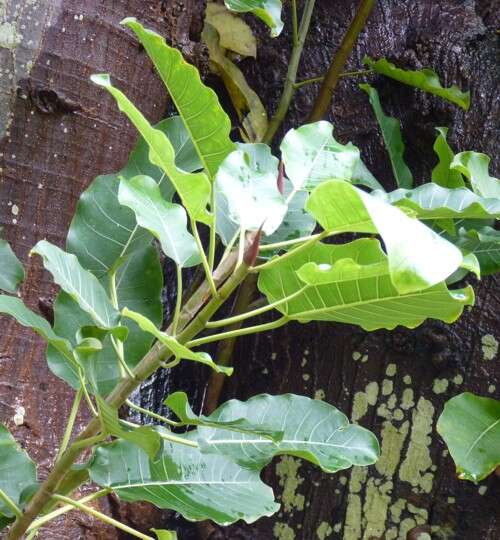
(363,177)
(198,105)
(162,534)
(470,427)
(268,11)
(391,133)
(418,257)
(484,243)
(351,284)
(179,404)
(176,348)
(17,472)
(11,269)
(474,166)
(442,174)
(164,220)
(426,79)
(198,486)
(313,430)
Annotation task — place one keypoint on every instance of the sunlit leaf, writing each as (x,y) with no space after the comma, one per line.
(474,166)
(418,257)
(198,486)
(176,348)
(391,133)
(17,472)
(268,11)
(11,269)
(442,174)
(351,283)
(162,534)
(164,220)
(470,426)
(313,430)
(425,79)
(198,105)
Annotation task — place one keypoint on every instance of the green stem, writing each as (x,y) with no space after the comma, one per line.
(291,76)
(322,103)
(102,517)
(152,414)
(295,23)
(118,347)
(178,301)
(88,399)
(286,243)
(63,509)
(241,247)
(165,436)
(204,262)
(213,238)
(314,80)
(10,503)
(71,422)
(236,333)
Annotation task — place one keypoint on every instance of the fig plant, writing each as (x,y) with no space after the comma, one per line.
(263,215)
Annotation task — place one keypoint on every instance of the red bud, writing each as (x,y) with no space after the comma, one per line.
(252,250)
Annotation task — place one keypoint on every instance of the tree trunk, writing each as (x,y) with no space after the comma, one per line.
(57,132)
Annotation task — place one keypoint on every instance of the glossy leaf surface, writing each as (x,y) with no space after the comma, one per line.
(268,11)
(11,269)
(474,166)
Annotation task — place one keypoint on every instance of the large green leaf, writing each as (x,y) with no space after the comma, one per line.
(418,257)
(474,166)
(17,472)
(442,174)
(425,79)
(179,350)
(358,291)
(470,426)
(311,155)
(198,105)
(179,404)
(11,269)
(246,185)
(312,430)
(391,133)
(138,286)
(164,220)
(193,188)
(484,243)
(80,284)
(198,486)
(268,11)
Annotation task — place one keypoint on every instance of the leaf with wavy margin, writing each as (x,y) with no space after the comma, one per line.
(475,167)
(442,174)
(268,11)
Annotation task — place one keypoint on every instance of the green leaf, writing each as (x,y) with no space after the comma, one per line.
(470,427)
(418,257)
(363,177)
(484,243)
(164,220)
(311,155)
(198,105)
(177,349)
(313,430)
(80,284)
(11,269)
(268,11)
(246,185)
(351,284)
(144,437)
(17,472)
(425,79)
(198,486)
(391,133)
(474,166)
(162,534)
(179,404)
(442,174)
(193,188)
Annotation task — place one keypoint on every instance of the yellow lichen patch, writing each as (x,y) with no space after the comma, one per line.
(458,379)
(393,439)
(287,472)
(387,387)
(489,346)
(283,531)
(407,401)
(440,386)
(363,399)
(397,509)
(352,528)
(319,394)
(391,370)
(375,508)
(324,530)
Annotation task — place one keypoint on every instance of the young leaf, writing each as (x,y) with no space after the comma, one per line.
(80,284)
(193,188)
(198,105)
(176,348)
(179,404)
(246,185)
(351,284)
(425,79)
(474,166)
(442,174)
(11,269)
(17,472)
(484,243)
(164,220)
(311,155)
(470,426)
(198,486)
(391,133)
(418,257)
(162,534)
(313,430)
(268,11)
